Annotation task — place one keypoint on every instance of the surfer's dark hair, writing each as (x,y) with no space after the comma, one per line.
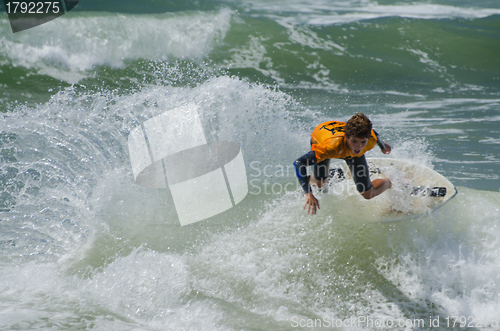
(358,126)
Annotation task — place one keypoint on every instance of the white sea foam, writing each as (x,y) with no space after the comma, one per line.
(109,255)
(69,48)
(78,221)
(72,166)
(341,12)
(444,103)
(428,262)
(145,289)
(455,264)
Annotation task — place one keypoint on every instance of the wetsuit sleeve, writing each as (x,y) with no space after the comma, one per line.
(380,143)
(301,165)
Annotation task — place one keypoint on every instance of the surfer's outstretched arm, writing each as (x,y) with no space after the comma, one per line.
(311,203)
(301,165)
(384,147)
(387,148)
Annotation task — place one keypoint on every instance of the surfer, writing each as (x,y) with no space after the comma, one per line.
(339,140)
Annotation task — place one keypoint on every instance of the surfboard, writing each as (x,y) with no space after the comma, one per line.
(416,189)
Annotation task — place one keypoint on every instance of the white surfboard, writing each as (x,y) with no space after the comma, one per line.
(416,189)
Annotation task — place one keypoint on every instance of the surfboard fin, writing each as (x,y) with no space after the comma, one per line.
(427,191)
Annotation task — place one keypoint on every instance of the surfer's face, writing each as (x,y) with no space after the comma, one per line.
(356,144)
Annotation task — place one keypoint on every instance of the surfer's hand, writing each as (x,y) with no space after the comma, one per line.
(387,149)
(311,203)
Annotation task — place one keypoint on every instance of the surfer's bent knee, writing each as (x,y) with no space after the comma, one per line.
(360,174)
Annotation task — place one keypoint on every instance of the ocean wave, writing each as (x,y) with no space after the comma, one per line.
(340,12)
(68,48)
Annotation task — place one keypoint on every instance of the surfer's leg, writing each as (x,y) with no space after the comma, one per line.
(378,187)
(320,173)
(361,175)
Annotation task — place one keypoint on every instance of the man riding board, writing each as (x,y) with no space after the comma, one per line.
(339,140)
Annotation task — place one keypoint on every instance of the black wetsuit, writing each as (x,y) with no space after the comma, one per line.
(357,165)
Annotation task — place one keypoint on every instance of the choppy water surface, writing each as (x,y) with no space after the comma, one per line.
(83,247)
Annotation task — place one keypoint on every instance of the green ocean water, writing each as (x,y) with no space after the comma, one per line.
(83,247)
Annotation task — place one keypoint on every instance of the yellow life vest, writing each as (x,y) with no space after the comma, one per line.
(329,142)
